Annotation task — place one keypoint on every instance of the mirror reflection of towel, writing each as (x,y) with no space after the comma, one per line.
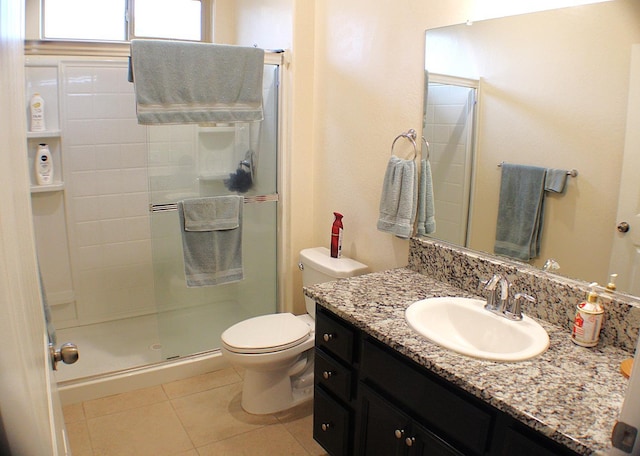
(555,180)
(426,201)
(520,211)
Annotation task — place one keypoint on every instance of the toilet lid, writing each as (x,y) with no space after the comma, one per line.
(266,333)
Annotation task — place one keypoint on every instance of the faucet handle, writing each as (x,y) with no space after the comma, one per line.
(514,312)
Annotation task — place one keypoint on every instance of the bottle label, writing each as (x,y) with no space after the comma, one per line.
(586,327)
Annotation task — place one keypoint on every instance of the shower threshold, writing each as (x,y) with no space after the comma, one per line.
(122,381)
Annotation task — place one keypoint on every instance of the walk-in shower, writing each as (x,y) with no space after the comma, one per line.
(108,235)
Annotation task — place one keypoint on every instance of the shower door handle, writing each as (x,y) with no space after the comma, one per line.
(67,353)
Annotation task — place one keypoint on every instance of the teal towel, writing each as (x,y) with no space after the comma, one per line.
(426,202)
(520,211)
(555,180)
(185,82)
(212,240)
(399,198)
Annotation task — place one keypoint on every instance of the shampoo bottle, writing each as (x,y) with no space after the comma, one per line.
(588,321)
(43,165)
(36,108)
(336,236)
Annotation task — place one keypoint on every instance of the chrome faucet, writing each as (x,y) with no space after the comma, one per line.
(499,300)
(551,265)
(497,303)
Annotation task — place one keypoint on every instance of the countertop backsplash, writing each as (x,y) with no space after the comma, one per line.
(556,296)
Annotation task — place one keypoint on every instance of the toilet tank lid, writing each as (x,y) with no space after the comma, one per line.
(320,259)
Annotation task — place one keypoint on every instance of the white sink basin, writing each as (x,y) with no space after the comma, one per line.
(464,326)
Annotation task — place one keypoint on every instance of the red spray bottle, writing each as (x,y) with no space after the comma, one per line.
(336,236)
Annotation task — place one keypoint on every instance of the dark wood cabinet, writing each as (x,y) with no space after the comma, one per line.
(370,400)
(384,429)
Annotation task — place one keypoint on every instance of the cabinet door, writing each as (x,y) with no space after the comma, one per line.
(423,442)
(383,428)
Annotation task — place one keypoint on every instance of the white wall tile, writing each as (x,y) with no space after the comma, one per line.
(107,156)
(84,183)
(79,132)
(136,204)
(133,155)
(80,158)
(90,257)
(111,206)
(79,106)
(87,233)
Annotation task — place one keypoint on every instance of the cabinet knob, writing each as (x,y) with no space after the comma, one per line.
(327,375)
(409,441)
(399,433)
(325,426)
(327,337)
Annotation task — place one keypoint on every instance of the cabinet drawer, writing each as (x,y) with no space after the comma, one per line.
(333,376)
(331,424)
(439,407)
(334,336)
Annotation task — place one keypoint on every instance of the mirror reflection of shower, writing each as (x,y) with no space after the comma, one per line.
(450,110)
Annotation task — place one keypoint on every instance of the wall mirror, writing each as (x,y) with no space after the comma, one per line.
(548,89)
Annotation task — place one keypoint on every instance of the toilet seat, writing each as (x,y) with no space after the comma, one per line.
(266,333)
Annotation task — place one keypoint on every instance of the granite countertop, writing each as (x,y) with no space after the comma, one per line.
(569,393)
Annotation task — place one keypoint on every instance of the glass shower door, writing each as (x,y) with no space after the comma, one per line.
(191,161)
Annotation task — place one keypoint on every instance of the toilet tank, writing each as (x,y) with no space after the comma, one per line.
(318,267)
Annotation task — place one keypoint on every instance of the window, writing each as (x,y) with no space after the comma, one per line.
(177,19)
(106,20)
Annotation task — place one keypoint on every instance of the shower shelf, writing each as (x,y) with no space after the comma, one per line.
(43,134)
(55,187)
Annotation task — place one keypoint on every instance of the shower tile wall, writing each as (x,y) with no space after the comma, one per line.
(105,158)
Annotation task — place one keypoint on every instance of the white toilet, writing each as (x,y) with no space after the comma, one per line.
(276,350)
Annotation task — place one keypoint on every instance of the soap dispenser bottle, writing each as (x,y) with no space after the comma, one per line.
(588,321)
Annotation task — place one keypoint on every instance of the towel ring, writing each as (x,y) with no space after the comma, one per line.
(411,136)
(428,148)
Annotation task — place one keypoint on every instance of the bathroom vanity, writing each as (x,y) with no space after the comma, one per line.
(380,388)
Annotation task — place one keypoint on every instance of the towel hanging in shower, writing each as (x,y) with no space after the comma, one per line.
(184,82)
(212,239)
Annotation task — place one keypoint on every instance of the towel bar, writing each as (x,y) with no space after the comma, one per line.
(571,172)
(164,207)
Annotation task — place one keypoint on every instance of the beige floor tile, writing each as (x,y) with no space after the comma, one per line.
(151,430)
(124,401)
(216,414)
(267,441)
(73,413)
(201,383)
(299,422)
(79,440)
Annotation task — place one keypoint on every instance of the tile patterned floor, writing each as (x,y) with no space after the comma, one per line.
(198,416)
